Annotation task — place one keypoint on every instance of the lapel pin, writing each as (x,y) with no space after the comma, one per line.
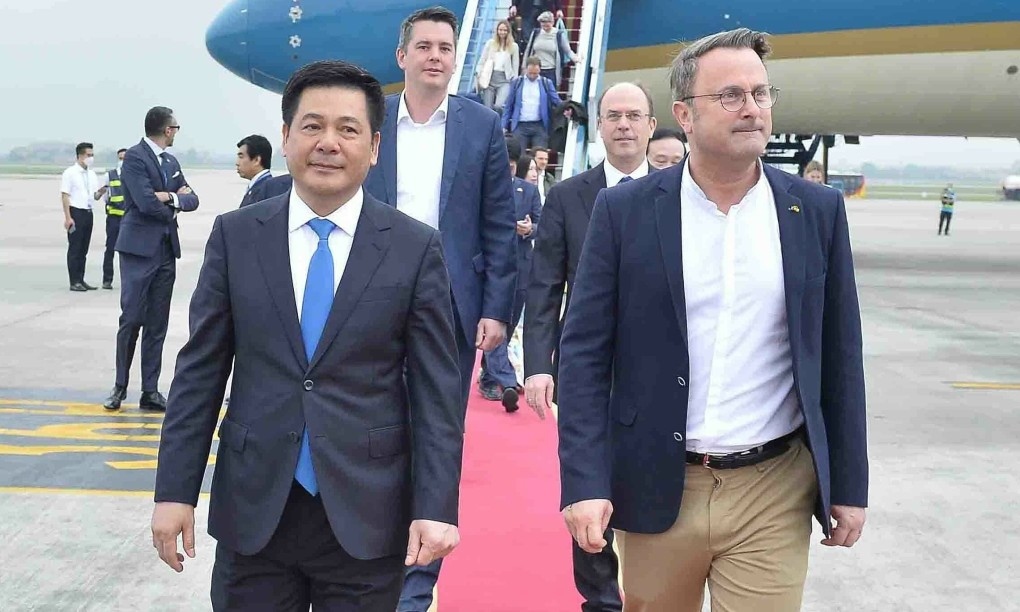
(795,208)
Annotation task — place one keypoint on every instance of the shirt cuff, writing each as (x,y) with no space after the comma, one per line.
(536,376)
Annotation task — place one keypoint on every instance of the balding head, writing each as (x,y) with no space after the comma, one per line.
(626,122)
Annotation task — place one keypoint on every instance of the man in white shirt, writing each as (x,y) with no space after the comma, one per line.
(711,369)
(79,188)
(339,458)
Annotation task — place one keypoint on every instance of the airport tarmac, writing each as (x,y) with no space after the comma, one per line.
(942,349)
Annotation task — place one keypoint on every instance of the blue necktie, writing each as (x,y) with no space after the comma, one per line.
(315,307)
(162,169)
(625,179)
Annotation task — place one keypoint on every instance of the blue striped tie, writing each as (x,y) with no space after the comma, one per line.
(625,179)
(315,307)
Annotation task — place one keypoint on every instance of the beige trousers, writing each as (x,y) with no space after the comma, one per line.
(744,531)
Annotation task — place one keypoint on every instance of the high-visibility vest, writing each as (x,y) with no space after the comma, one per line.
(115,200)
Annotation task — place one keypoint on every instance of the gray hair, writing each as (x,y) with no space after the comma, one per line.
(545,16)
(685,65)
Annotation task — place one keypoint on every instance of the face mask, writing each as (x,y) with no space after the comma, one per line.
(89,161)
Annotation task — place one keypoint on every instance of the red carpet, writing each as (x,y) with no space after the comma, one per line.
(514,554)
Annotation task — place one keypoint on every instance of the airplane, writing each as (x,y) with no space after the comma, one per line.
(843,67)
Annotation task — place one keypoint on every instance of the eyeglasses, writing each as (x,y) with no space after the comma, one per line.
(733,99)
(174,127)
(632,116)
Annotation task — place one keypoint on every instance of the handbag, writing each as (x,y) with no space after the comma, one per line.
(485,74)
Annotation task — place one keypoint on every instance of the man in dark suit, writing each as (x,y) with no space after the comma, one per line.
(149,246)
(498,380)
(254,163)
(442,161)
(714,322)
(625,123)
(340,454)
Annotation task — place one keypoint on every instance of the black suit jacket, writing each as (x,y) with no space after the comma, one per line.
(527,201)
(558,242)
(147,220)
(266,187)
(386,449)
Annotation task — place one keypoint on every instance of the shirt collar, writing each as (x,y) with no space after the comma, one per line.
(613,174)
(687,182)
(255,178)
(346,217)
(437,117)
(155,147)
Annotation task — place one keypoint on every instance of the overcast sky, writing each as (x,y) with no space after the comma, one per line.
(88,70)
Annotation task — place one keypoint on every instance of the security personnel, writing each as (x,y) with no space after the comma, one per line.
(114,213)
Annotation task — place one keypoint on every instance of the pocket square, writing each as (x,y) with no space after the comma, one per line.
(176,174)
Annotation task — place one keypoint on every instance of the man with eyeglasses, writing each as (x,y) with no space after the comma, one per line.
(625,123)
(711,372)
(155,191)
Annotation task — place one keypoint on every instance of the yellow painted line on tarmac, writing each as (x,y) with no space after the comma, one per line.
(98,492)
(143,464)
(92,411)
(987,385)
(86,431)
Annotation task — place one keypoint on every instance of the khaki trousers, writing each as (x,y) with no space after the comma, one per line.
(745,531)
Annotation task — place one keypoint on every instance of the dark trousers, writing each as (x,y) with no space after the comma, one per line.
(550,73)
(597,577)
(945,217)
(78,244)
(112,231)
(496,366)
(304,565)
(146,287)
(531,134)
(416,594)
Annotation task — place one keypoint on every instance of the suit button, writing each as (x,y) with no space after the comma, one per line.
(678,436)
(308,385)
(680,379)
(294,437)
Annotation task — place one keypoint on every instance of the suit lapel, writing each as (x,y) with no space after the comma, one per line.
(791,238)
(388,151)
(371,241)
(667,221)
(451,153)
(155,160)
(274,258)
(594,181)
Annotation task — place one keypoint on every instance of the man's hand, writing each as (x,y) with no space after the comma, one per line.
(68,224)
(184,190)
(169,520)
(490,333)
(538,391)
(849,525)
(430,540)
(162,196)
(524,226)
(587,522)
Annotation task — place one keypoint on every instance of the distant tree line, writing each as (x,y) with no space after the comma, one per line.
(62,154)
(914,172)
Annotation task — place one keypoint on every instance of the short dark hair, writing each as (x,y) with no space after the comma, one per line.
(513,148)
(335,73)
(537,150)
(82,147)
(644,90)
(533,61)
(258,146)
(665,132)
(432,13)
(119,151)
(158,119)
(523,165)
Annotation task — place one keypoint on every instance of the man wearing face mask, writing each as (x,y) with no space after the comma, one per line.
(79,187)
(114,213)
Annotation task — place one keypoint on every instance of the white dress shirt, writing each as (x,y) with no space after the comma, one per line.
(614,175)
(158,150)
(420,152)
(81,185)
(256,178)
(303,240)
(531,100)
(741,391)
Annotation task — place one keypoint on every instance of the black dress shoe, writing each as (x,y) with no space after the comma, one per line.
(88,286)
(107,284)
(79,287)
(509,399)
(116,397)
(152,400)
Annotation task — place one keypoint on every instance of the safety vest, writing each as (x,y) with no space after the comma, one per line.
(115,200)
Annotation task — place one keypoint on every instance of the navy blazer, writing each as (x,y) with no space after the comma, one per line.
(386,447)
(624,361)
(527,201)
(147,220)
(265,188)
(476,210)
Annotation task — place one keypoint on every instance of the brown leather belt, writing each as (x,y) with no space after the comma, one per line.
(751,456)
